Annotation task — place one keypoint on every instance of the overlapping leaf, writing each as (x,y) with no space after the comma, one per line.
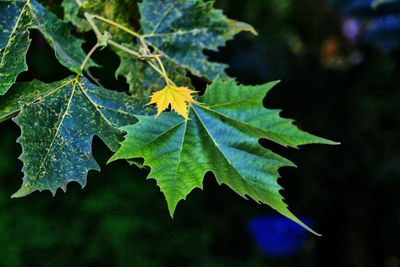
(178,98)
(26,92)
(221,137)
(14,42)
(16,18)
(57,131)
(120,11)
(182,29)
(179,29)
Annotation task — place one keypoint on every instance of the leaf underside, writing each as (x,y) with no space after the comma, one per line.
(222,137)
(57,131)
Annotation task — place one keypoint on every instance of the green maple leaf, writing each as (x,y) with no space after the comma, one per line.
(16,18)
(57,131)
(222,137)
(182,29)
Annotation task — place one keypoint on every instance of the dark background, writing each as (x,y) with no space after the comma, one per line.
(349,192)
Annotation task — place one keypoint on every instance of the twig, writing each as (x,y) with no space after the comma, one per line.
(122,27)
(100,36)
(89,55)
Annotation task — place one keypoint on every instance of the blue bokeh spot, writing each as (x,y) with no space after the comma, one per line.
(278,236)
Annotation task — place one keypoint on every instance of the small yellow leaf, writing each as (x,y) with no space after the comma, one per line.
(177,97)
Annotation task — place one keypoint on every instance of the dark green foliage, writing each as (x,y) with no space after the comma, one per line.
(27,92)
(14,42)
(20,17)
(121,11)
(182,29)
(57,133)
(58,121)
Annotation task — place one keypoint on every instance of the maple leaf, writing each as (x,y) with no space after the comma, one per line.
(17,18)
(221,137)
(181,30)
(58,122)
(177,97)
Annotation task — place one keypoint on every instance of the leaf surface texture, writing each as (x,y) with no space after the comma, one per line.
(182,29)
(57,132)
(16,18)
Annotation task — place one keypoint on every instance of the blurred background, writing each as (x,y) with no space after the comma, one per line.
(339,63)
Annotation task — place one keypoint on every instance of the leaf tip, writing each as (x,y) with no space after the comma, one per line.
(252,30)
(22,192)
(172,203)
(113,158)
(292,217)
(171,210)
(334,143)
(328,142)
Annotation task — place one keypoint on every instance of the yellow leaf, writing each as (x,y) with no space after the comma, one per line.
(177,97)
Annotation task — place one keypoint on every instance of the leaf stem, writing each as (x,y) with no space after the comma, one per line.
(163,70)
(142,57)
(122,27)
(93,25)
(97,45)
(130,51)
(90,20)
(147,50)
(160,72)
(99,36)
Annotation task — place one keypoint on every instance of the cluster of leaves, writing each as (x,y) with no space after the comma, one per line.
(216,132)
